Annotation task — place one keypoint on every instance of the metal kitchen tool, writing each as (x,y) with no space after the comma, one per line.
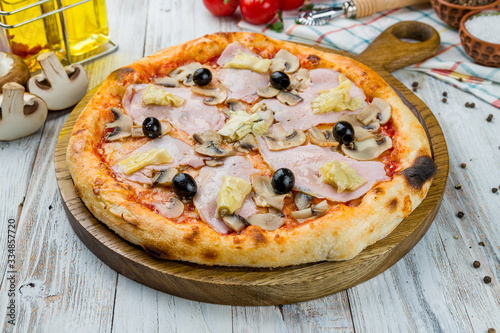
(353,9)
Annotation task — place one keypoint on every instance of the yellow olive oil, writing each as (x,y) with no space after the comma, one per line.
(86,25)
(29,40)
(84,28)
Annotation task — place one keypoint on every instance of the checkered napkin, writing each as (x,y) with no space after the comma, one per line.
(451,64)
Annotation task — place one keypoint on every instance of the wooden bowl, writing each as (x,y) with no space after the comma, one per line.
(451,14)
(484,53)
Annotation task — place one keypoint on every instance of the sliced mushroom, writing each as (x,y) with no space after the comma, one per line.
(319,138)
(13,69)
(267,221)
(312,212)
(367,149)
(122,125)
(214,162)
(170,209)
(362,133)
(60,88)
(21,113)
(377,111)
(184,73)
(236,105)
(137,131)
(288,98)
(164,177)
(211,148)
(166,81)
(284,61)
(264,193)
(235,222)
(268,92)
(303,200)
(353,120)
(384,108)
(280,140)
(300,80)
(215,96)
(246,144)
(207,136)
(209,144)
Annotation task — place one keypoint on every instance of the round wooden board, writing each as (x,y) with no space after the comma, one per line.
(254,286)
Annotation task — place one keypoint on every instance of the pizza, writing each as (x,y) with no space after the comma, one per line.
(238,150)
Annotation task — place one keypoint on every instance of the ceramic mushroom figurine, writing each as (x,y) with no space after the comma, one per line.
(21,113)
(12,69)
(59,87)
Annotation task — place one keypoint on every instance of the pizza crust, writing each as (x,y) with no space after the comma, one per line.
(339,235)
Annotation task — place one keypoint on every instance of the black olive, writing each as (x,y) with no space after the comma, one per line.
(343,132)
(279,80)
(202,76)
(184,186)
(151,127)
(283,181)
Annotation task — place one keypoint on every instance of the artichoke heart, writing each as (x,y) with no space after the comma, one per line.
(336,99)
(341,175)
(260,127)
(239,125)
(232,193)
(247,61)
(137,161)
(158,96)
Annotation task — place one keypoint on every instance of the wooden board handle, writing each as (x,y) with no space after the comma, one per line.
(370,7)
(393,51)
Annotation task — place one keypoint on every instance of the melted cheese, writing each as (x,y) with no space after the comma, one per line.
(137,161)
(336,99)
(158,96)
(246,61)
(232,192)
(341,175)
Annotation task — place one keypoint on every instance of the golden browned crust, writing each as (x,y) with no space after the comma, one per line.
(339,235)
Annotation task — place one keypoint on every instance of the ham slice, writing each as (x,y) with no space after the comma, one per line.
(301,116)
(305,161)
(191,117)
(209,180)
(230,51)
(181,152)
(242,83)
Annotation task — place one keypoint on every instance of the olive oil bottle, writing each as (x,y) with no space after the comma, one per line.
(86,26)
(29,40)
(74,34)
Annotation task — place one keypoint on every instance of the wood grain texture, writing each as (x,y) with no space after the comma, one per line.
(239,286)
(370,7)
(392,50)
(439,263)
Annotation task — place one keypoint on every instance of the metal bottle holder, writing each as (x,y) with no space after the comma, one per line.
(107,48)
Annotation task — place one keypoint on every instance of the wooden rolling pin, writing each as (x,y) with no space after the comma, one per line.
(370,7)
(353,9)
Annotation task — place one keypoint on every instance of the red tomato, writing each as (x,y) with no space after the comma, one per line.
(259,11)
(221,7)
(290,4)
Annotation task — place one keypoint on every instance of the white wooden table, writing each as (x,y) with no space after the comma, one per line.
(60,286)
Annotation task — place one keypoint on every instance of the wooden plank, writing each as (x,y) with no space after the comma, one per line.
(54,270)
(326,314)
(16,163)
(61,285)
(435,288)
(474,141)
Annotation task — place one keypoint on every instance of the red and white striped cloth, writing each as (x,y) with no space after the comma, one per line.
(451,64)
